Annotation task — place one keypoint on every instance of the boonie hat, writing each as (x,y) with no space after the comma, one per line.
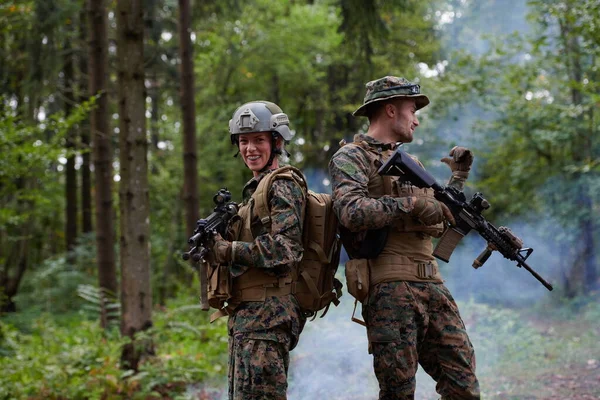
(390,87)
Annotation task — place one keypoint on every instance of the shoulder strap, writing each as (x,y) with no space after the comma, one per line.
(261,195)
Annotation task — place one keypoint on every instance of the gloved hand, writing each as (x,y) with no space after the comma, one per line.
(460,161)
(220,253)
(431,211)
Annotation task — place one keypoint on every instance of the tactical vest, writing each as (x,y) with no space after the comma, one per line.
(407,254)
(313,280)
(255,284)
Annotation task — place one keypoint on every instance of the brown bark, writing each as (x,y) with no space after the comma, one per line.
(84,134)
(134,202)
(71,174)
(10,283)
(18,257)
(190,171)
(102,148)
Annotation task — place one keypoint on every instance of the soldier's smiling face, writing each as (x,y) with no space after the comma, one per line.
(255,149)
(405,119)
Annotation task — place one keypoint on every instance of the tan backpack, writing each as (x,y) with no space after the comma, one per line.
(317,286)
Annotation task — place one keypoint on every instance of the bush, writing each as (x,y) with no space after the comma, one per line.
(73,358)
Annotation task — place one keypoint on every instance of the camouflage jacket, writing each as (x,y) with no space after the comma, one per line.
(277,252)
(349,169)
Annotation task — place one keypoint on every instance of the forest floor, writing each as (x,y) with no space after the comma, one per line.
(574,382)
(575,379)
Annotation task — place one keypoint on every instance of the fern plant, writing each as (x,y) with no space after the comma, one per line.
(101,303)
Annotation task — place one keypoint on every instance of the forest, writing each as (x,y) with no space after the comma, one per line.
(114,138)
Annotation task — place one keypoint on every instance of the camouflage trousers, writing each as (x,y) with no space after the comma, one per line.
(258,366)
(411,323)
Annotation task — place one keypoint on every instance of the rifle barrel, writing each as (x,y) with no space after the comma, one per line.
(535,274)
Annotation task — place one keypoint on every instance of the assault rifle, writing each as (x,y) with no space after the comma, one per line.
(202,237)
(466,213)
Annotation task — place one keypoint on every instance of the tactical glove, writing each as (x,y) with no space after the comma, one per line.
(220,252)
(431,211)
(460,161)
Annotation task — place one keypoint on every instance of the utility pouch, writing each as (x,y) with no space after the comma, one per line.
(364,244)
(219,285)
(357,278)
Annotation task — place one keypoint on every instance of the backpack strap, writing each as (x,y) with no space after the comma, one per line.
(261,195)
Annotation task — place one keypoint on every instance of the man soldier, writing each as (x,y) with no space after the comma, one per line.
(388,226)
(262,257)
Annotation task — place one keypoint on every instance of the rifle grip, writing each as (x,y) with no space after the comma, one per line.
(482,257)
(447,243)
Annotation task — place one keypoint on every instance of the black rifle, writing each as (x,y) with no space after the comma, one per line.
(467,215)
(202,237)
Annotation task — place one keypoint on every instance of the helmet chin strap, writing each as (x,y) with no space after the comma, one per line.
(274,152)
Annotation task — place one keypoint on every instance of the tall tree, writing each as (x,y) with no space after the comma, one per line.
(190,168)
(84,144)
(540,92)
(580,67)
(136,294)
(70,173)
(102,147)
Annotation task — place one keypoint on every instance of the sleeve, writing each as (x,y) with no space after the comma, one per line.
(356,211)
(457,181)
(280,250)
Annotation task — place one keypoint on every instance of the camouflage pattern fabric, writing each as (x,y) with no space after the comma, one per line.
(261,334)
(390,87)
(408,323)
(258,368)
(411,323)
(280,250)
(349,169)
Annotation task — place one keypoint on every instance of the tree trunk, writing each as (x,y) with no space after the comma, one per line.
(134,204)
(101,136)
(71,174)
(190,171)
(584,271)
(18,257)
(84,133)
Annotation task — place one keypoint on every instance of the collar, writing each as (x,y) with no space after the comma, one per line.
(372,142)
(252,184)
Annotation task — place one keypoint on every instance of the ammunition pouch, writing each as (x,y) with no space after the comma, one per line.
(255,285)
(219,285)
(357,278)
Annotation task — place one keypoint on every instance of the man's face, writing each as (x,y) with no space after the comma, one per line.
(255,149)
(405,120)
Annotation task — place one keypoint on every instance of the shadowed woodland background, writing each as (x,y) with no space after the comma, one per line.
(114,139)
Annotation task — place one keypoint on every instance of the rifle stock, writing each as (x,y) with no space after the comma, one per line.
(468,216)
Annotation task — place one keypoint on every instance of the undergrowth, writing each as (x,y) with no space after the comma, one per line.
(73,358)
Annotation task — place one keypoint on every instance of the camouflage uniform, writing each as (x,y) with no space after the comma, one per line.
(261,333)
(409,321)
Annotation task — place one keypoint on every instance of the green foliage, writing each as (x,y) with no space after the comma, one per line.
(30,173)
(542,110)
(56,361)
(52,287)
(534,97)
(101,303)
(74,358)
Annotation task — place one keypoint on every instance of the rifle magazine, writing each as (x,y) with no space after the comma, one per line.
(447,243)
